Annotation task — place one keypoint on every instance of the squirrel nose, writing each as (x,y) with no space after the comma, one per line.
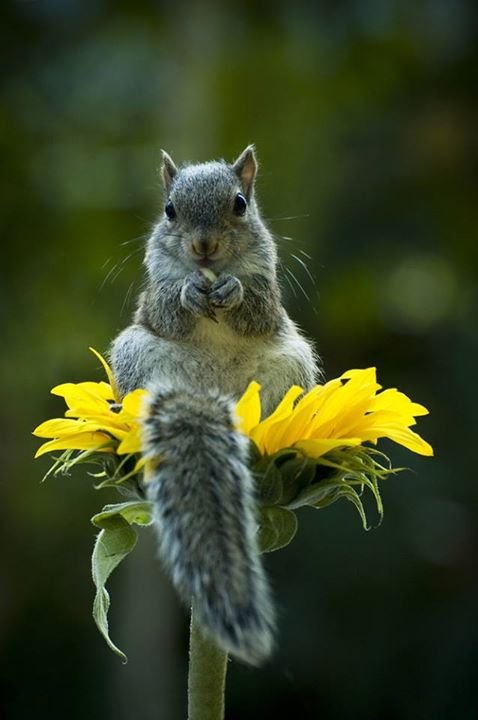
(204,246)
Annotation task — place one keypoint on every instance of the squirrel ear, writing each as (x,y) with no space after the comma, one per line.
(168,170)
(245,168)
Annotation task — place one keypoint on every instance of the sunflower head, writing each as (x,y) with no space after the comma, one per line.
(319,446)
(96,422)
(315,448)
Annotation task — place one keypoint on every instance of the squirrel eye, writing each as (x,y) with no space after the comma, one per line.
(240,204)
(170,210)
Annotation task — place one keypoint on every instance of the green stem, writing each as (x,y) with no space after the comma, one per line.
(207,676)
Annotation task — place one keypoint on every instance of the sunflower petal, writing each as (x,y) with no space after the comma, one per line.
(317,448)
(282,412)
(402,436)
(57,427)
(248,408)
(132,404)
(345,411)
(80,441)
(109,373)
(86,398)
(132,442)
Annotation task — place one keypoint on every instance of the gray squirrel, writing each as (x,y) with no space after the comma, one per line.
(209,321)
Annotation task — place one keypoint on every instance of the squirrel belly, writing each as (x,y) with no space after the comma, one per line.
(205,514)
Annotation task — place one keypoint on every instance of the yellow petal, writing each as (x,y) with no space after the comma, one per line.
(401,435)
(57,427)
(85,390)
(132,404)
(414,442)
(281,413)
(293,428)
(345,403)
(248,408)
(108,372)
(343,412)
(81,441)
(392,399)
(85,398)
(131,443)
(102,417)
(317,448)
(150,467)
(297,425)
(377,424)
(286,405)
(62,428)
(140,464)
(110,429)
(363,374)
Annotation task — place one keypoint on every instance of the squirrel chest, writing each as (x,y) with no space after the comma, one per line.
(227,360)
(218,339)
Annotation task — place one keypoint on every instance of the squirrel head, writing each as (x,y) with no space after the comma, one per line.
(210,215)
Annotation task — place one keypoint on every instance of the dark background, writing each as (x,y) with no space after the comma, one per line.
(362,114)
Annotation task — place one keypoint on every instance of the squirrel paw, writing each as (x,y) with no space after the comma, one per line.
(194,295)
(226,292)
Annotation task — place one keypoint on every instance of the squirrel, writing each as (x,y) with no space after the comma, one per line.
(209,321)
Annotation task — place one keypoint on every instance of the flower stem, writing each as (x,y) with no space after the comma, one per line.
(207,676)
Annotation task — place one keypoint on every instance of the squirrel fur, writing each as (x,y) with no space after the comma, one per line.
(209,321)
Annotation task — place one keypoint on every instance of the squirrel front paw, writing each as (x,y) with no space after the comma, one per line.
(194,295)
(226,292)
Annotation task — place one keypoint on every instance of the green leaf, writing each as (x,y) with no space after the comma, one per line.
(353,496)
(314,494)
(139,512)
(281,456)
(282,476)
(277,528)
(334,494)
(115,541)
(270,485)
(297,473)
(255,456)
(342,473)
(112,545)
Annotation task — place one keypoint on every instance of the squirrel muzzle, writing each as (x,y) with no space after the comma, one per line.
(204,247)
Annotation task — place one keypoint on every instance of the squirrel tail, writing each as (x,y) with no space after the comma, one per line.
(205,515)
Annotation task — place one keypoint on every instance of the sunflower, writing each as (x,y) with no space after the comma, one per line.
(313,449)
(96,420)
(345,412)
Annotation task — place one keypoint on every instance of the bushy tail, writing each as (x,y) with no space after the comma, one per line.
(206,519)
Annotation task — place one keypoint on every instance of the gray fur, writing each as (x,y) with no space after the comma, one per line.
(245,168)
(205,516)
(197,343)
(168,170)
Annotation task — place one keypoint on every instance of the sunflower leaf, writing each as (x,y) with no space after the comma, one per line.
(270,485)
(115,541)
(297,474)
(277,528)
(112,545)
(314,494)
(353,496)
(255,455)
(139,512)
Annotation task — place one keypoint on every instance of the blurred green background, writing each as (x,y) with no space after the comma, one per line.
(362,114)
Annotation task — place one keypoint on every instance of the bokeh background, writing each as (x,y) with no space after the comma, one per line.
(362,114)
